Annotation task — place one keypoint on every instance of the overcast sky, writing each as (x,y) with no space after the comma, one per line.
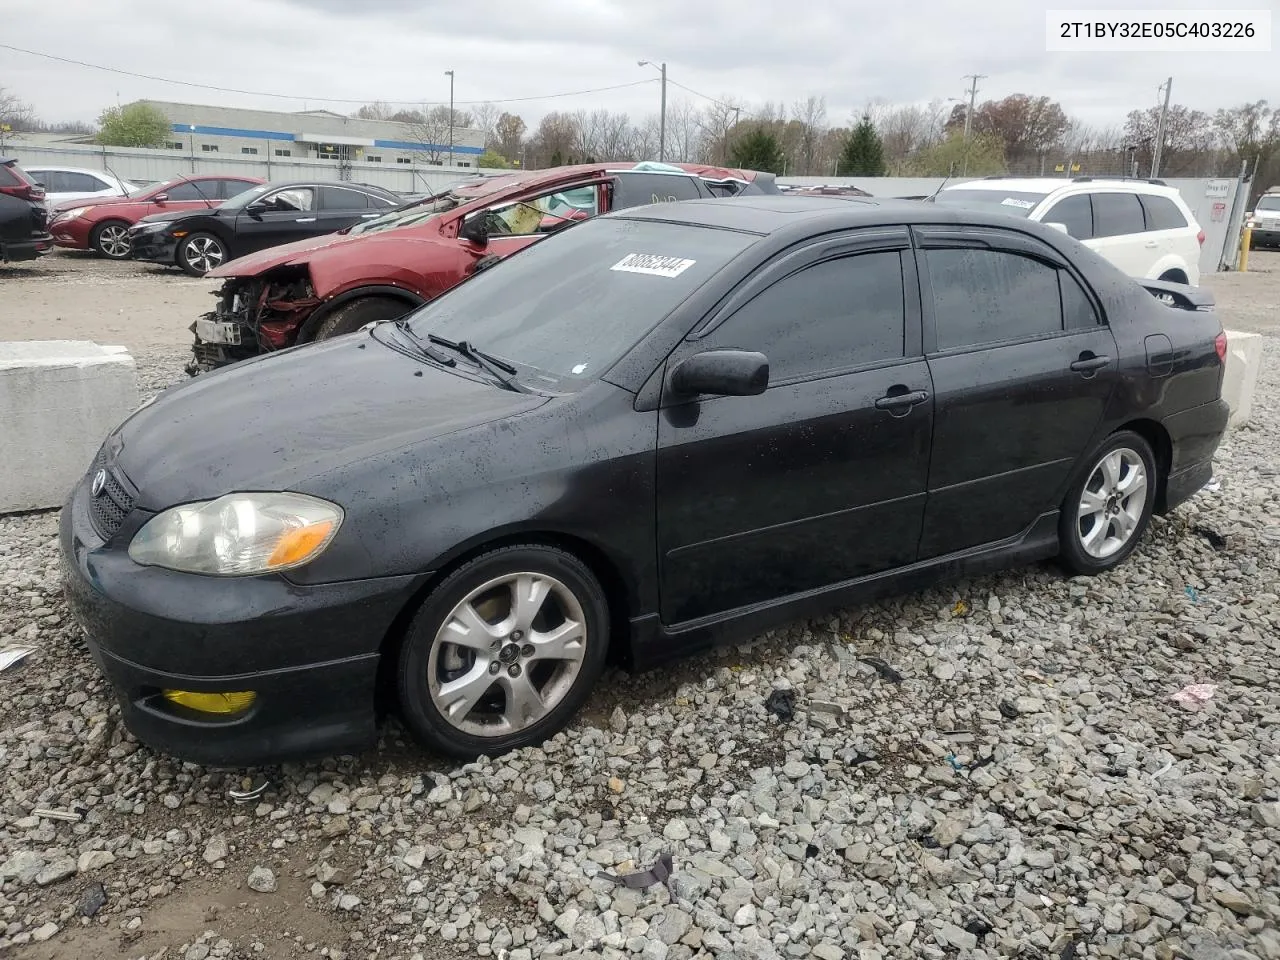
(849,51)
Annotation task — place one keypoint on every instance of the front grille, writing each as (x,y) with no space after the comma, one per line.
(108,510)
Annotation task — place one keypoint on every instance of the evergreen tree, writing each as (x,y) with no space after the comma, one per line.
(758,150)
(863,154)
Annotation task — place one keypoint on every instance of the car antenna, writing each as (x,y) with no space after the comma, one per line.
(106,166)
(950,173)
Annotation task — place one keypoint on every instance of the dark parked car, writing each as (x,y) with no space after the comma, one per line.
(657,428)
(263,216)
(382,269)
(24,217)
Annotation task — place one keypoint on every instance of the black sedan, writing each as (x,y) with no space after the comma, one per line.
(265,216)
(653,430)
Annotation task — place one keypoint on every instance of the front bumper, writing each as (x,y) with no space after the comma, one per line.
(1263,237)
(310,653)
(70,234)
(153,246)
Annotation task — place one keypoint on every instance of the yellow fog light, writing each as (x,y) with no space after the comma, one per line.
(212,702)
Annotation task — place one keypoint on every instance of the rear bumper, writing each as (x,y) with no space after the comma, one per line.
(1194,437)
(36,246)
(310,654)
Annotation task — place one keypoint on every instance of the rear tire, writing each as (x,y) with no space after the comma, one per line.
(1108,507)
(201,252)
(350,317)
(503,652)
(111,240)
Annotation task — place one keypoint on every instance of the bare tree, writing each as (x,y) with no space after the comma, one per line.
(15,114)
(555,141)
(431,131)
(378,110)
(644,139)
(811,115)
(614,132)
(684,132)
(718,122)
(485,119)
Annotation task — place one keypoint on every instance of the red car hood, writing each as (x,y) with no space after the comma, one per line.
(94,202)
(296,252)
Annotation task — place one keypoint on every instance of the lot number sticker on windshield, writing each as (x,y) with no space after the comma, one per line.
(653,265)
(1015,202)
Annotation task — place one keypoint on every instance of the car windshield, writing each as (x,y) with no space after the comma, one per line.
(1016,203)
(1269,203)
(241,200)
(570,306)
(411,215)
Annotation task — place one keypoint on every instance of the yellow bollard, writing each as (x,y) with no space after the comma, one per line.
(1245,239)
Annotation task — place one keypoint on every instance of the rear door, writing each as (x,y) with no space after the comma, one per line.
(1119,232)
(1022,367)
(820,479)
(344,206)
(1169,230)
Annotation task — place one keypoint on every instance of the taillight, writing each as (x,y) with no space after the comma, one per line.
(24,191)
(1220,344)
(1200,238)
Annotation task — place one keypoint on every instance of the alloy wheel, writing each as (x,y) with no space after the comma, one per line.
(507,654)
(113,240)
(204,253)
(1112,503)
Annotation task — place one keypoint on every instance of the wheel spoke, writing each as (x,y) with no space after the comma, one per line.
(524,703)
(1110,471)
(528,593)
(1091,503)
(565,642)
(1134,484)
(458,697)
(466,628)
(1096,532)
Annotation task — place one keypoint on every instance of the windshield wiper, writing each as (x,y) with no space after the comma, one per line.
(499,369)
(425,348)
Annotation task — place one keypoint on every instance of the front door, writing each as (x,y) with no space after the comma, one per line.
(1022,368)
(1119,232)
(822,478)
(291,213)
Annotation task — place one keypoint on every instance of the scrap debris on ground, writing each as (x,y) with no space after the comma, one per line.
(1026,787)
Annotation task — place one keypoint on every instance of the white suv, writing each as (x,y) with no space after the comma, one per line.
(1142,226)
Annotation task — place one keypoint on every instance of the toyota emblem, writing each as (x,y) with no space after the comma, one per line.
(99,481)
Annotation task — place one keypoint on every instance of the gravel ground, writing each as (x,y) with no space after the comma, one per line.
(1010,778)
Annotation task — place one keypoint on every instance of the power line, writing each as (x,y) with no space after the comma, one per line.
(311,98)
(677,83)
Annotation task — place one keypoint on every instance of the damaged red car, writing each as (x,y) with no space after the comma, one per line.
(383,268)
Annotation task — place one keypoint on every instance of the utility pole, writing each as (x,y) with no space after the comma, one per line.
(662,116)
(449,74)
(737,114)
(973,79)
(1167,87)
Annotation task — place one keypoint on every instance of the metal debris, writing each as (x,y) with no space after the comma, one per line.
(70,816)
(660,872)
(12,655)
(886,672)
(248,790)
(1009,711)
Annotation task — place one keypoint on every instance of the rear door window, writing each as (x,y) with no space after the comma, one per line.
(1075,213)
(51,180)
(988,296)
(637,189)
(340,198)
(1116,214)
(194,190)
(1162,213)
(82,183)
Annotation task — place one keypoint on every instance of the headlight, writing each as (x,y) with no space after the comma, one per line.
(238,535)
(150,227)
(73,213)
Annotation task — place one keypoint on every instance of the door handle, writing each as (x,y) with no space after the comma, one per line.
(305,220)
(366,216)
(900,404)
(1088,364)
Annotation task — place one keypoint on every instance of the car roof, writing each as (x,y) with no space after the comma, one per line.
(350,184)
(768,214)
(1047,185)
(62,169)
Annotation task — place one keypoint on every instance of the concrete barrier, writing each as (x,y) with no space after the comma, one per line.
(1244,357)
(58,400)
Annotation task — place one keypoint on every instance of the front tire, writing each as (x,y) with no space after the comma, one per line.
(503,652)
(201,252)
(1108,508)
(350,317)
(111,240)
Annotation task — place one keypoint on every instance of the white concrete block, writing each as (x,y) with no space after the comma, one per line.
(58,401)
(1244,357)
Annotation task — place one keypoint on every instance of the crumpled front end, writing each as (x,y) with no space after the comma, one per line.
(253,316)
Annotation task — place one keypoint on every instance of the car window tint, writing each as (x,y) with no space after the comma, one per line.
(1116,214)
(84,182)
(51,179)
(985,296)
(1077,309)
(9,178)
(291,200)
(233,188)
(1075,214)
(194,190)
(1162,213)
(637,189)
(832,315)
(340,198)
(542,214)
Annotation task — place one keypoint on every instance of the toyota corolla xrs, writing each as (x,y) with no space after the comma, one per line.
(655,429)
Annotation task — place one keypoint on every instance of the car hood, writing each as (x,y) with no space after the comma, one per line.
(108,201)
(278,421)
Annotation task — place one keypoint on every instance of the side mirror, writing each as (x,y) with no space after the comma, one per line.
(730,373)
(1059,226)
(256,209)
(476,230)
(161,198)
